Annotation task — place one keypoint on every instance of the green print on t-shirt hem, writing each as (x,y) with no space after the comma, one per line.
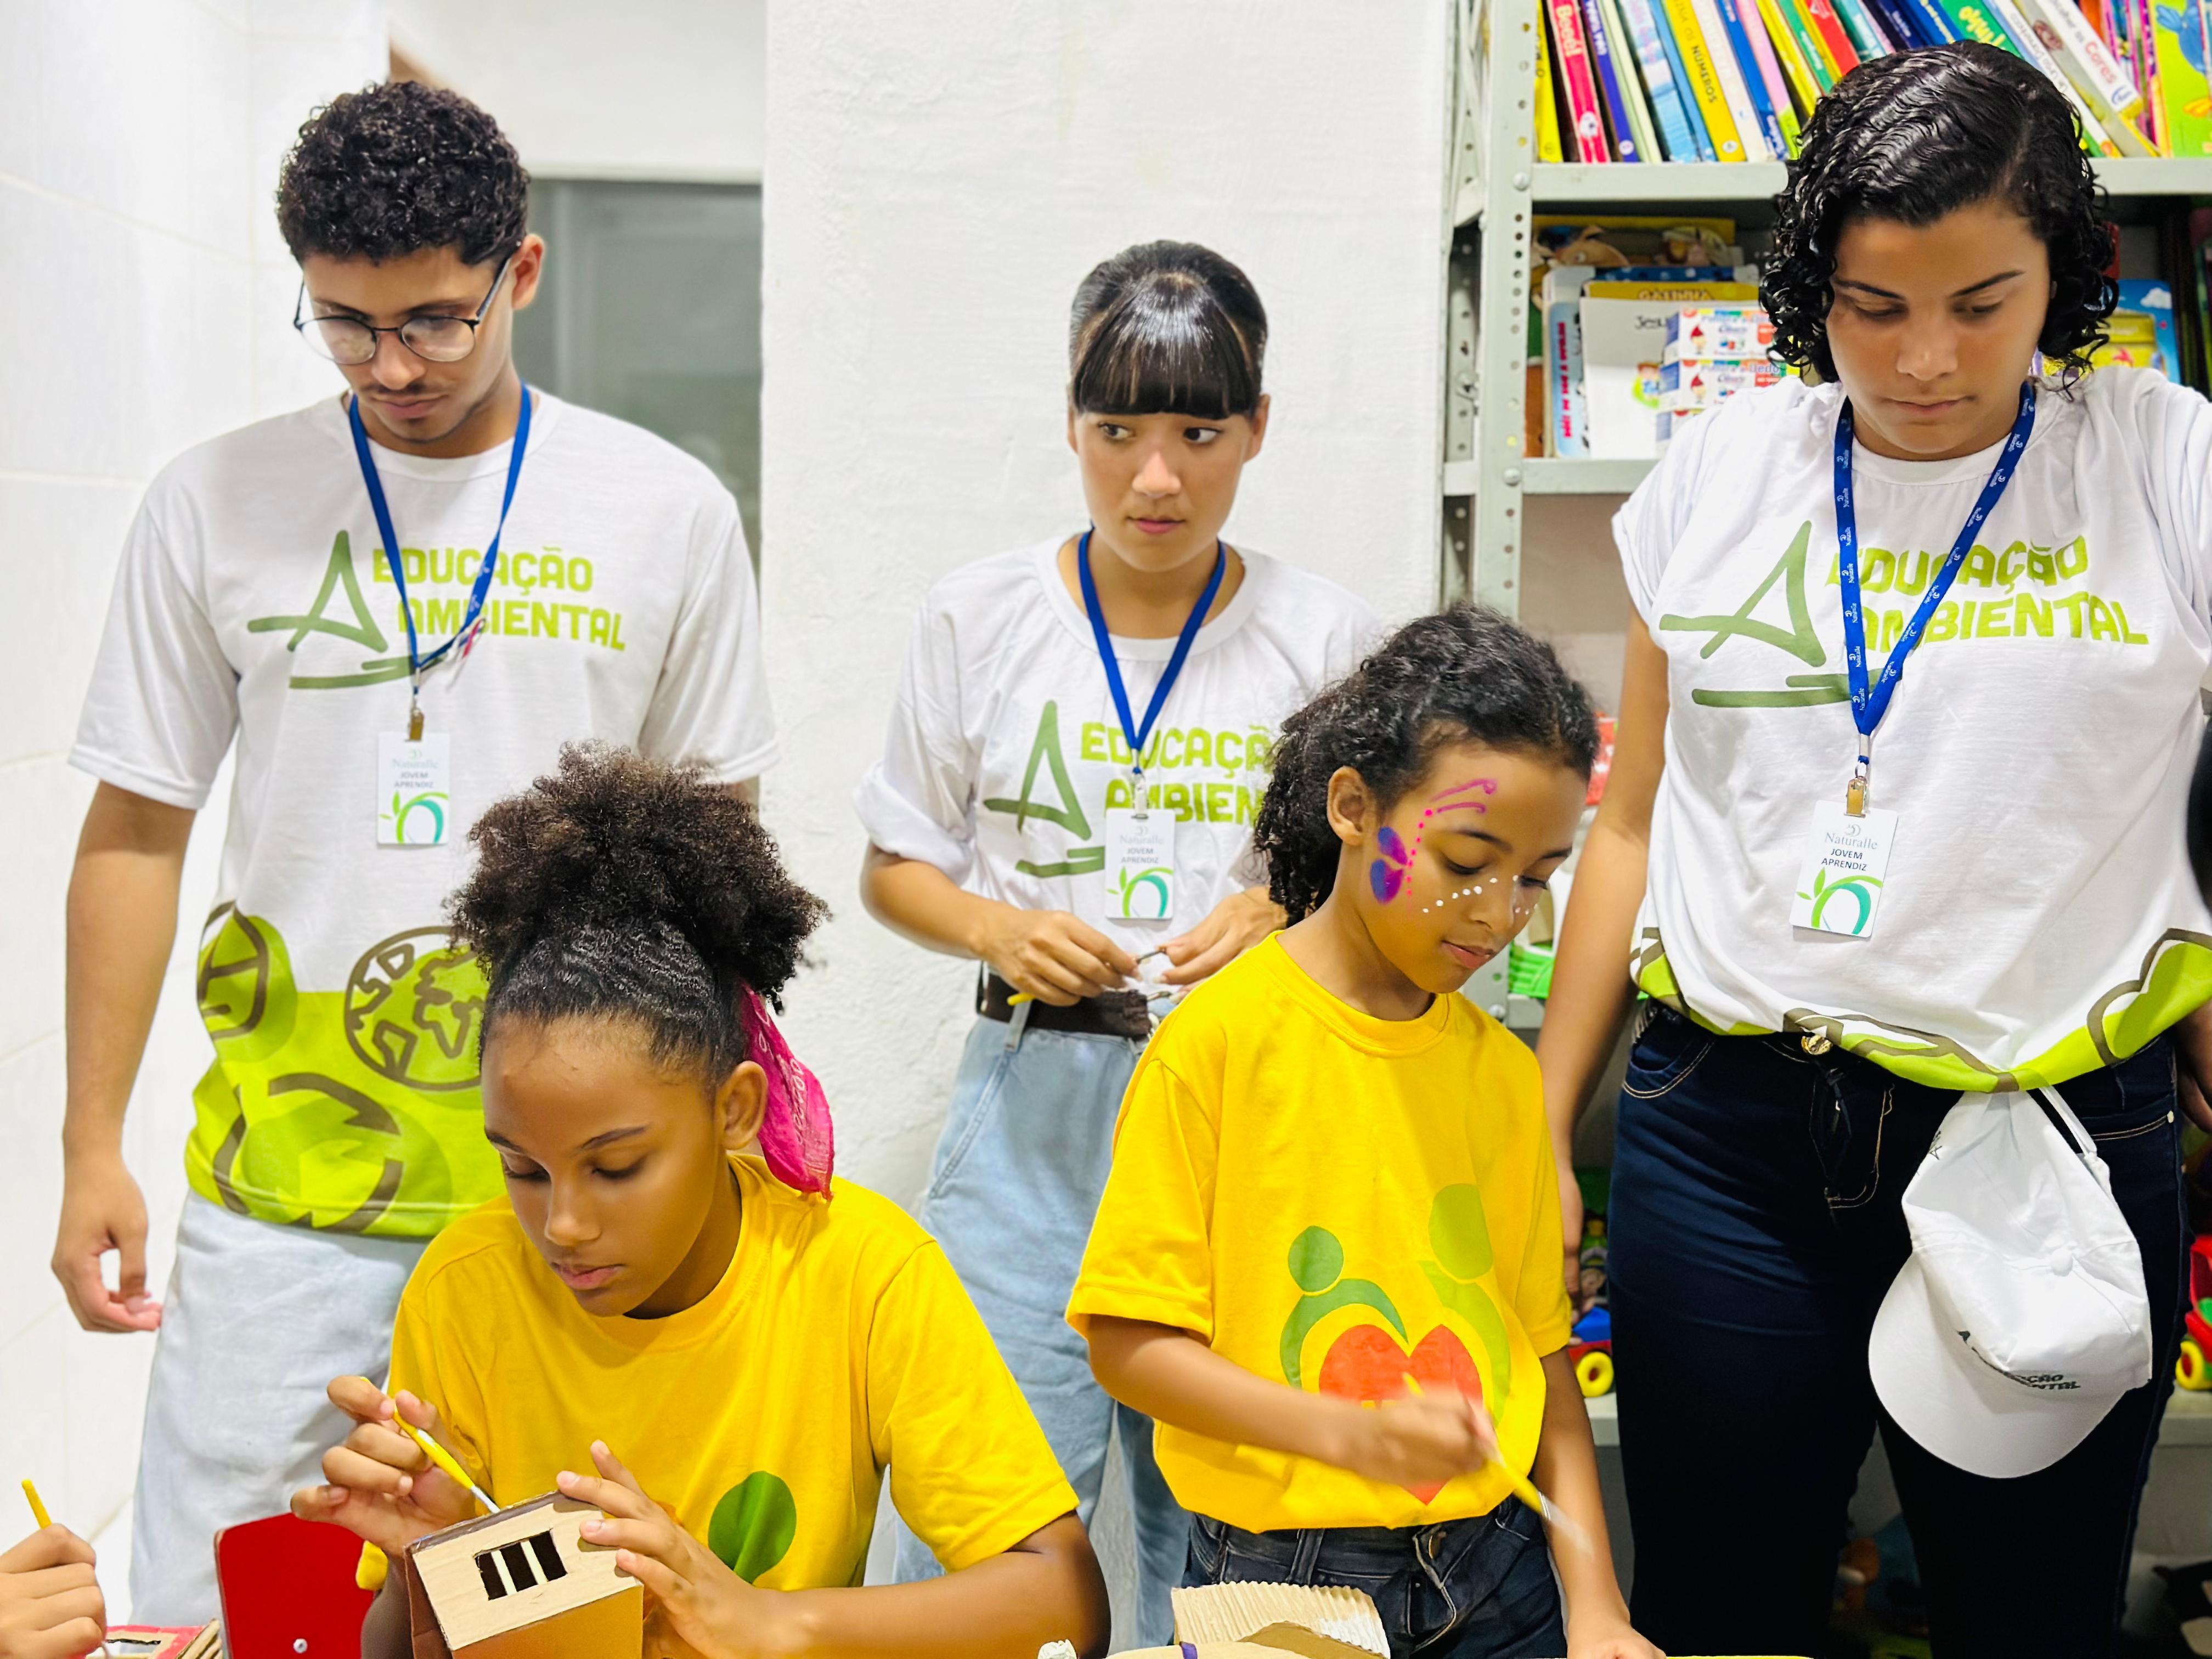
(352,1110)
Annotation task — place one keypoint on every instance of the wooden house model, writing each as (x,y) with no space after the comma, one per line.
(522,1584)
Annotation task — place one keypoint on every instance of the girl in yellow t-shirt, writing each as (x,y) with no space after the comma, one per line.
(1327,1262)
(759,1341)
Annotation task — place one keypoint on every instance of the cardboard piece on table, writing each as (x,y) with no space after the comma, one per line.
(1318,1621)
(1209,1650)
(522,1584)
(165,1641)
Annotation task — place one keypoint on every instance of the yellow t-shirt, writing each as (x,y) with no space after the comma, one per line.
(1335,1202)
(838,1342)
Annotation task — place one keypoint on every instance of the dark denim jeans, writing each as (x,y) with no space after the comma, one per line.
(1755,1228)
(1479,1589)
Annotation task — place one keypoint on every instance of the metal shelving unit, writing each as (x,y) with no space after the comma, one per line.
(1499,188)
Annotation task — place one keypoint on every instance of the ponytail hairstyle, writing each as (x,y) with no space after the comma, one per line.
(1166,328)
(1464,675)
(1913,135)
(623,890)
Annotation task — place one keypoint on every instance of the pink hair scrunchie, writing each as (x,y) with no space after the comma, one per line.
(795,1134)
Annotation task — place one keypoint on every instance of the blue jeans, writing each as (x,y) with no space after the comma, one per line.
(1018,1177)
(1479,1588)
(1755,1229)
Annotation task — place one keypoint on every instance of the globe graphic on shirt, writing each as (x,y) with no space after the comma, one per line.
(243,984)
(413,1004)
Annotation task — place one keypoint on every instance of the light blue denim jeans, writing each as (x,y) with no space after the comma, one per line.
(1017,1180)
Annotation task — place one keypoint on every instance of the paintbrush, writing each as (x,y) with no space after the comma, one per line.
(1525,1489)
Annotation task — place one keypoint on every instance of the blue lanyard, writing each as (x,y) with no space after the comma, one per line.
(464,636)
(1135,733)
(1870,701)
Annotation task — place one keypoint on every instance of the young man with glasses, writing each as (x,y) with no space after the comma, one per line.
(400,603)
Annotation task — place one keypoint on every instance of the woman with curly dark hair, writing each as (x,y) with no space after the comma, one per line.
(674,1313)
(1952,538)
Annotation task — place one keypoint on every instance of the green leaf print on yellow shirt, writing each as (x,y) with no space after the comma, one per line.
(753,1526)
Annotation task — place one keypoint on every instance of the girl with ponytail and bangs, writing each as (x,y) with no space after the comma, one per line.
(1066,797)
(676,1288)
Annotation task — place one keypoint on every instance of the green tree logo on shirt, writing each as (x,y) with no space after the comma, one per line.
(1798,638)
(1066,810)
(338,583)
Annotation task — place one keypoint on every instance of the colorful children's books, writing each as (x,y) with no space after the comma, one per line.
(1762,76)
(1667,111)
(1577,81)
(2110,95)
(1867,34)
(1633,94)
(2178,39)
(1806,85)
(1734,88)
(2154,299)
(1704,80)
(1608,76)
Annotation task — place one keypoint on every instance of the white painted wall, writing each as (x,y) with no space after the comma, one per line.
(149,303)
(648,89)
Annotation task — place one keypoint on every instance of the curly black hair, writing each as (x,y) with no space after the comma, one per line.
(620,888)
(1914,135)
(1166,328)
(1465,674)
(394,169)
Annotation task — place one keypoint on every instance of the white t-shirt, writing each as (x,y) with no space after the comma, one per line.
(254,599)
(1004,750)
(2039,918)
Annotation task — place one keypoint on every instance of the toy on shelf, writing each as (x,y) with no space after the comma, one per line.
(2191,1370)
(523,1582)
(1590,1350)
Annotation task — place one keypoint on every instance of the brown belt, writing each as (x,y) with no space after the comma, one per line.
(1117,1013)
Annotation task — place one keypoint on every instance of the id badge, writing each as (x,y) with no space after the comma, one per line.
(1140,864)
(414,790)
(1839,889)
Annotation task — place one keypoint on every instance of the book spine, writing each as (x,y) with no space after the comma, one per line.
(1705,81)
(2104,86)
(1748,24)
(1574,70)
(1928,17)
(1547,107)
(2143,54)
(1866,33)
(1754,79)
(1741,107)
(1899,23)
(1692,115)
(1633,93)
(2030,46)
(1803,81)
(2178,35)
(1810,46)
(1608,82)
(1563,371)
(1973,20)
(1659,81)
(1832,33)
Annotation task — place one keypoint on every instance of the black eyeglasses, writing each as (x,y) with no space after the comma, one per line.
(349,341)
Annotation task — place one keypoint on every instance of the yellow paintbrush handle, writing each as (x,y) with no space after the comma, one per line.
(37,1507)
(445,1461)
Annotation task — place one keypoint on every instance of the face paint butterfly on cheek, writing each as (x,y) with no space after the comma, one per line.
(1388,873)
